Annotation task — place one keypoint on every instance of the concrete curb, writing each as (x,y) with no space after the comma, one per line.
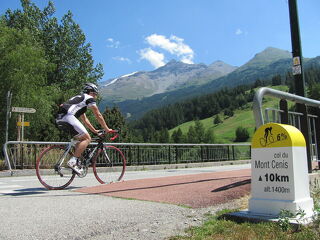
(32,172)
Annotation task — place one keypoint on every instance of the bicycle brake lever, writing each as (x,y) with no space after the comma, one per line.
(114,137)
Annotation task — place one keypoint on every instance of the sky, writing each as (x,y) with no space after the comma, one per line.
(141,35)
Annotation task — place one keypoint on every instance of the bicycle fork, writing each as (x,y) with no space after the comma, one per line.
(106,155)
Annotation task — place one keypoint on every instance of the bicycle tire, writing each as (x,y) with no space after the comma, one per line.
(112,170)
(46,172)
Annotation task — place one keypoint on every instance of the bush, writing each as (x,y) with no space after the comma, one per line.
(217,120)
(2,165)
(242,134)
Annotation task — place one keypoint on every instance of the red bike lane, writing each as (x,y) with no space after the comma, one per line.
(194,190)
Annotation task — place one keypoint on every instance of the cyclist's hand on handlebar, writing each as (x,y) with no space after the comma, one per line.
(113,131)
(101,133)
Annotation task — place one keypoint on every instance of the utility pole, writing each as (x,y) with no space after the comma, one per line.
(296,49)
(297,72)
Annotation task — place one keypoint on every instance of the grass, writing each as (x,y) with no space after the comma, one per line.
(225,132)
(217,227)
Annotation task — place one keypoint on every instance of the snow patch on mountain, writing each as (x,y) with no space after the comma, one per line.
(116,79)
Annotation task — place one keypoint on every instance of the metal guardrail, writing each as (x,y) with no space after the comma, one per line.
(257,101)
(19,155)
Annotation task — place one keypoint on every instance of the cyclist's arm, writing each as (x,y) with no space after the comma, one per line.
(100,118)
(88,124)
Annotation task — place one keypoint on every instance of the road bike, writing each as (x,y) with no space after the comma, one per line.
(108,163)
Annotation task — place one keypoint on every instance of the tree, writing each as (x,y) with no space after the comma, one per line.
(23,71)
(228,112)
(242,134)
(164,136)
(209,136)
(276,80)
(192,135)
(314,91)
(240,100)
(199,131)
(217,119)
(64,45)
(177,136)
(257,83)
(289,81)
(116,120)
(43,63)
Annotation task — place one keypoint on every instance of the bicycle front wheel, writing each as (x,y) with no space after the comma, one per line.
(50,173)
(109,165)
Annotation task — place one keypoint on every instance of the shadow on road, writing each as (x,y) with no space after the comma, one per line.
(232,185)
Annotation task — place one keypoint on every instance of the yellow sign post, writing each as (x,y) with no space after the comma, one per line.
(279,171)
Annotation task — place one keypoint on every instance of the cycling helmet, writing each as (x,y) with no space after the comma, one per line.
(90,87)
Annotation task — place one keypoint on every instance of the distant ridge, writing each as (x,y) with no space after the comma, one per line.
(263,66)
(172,76)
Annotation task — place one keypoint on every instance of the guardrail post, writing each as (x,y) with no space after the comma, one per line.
(176,149)
(318,135)
(35,155)
(201,153)
(305,131)
(129,159)
(138,162)
(233,155)
(284,115)
(22,156)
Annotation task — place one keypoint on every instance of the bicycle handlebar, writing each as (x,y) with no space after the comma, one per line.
(102,134)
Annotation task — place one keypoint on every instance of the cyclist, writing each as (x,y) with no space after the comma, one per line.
(67,120)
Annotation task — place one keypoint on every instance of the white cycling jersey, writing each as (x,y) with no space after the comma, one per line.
(71,110)
(78,105)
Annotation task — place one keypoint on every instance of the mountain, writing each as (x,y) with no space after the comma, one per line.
(172,76)
(263,66)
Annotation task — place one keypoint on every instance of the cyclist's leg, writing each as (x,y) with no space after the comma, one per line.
(84,141)
(79,133)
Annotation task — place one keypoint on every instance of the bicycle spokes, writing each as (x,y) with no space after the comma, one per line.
(52,174)
(109,165)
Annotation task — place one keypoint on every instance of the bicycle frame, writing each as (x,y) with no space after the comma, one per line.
(68,148)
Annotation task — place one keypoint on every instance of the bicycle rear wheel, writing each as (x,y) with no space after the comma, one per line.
(109,165)
(50,175)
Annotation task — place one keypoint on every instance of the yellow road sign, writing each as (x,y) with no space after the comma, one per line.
(25,124)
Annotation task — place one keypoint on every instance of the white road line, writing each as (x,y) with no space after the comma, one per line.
(25,180)
(7,191)
(11,186)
